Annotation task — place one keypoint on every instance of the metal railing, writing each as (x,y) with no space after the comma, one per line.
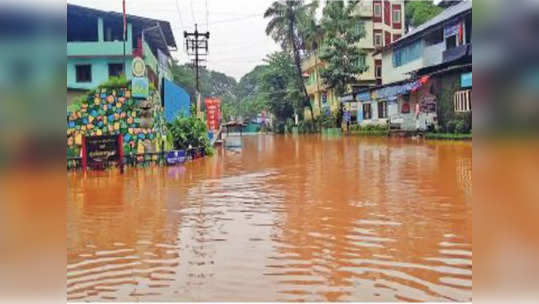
(139,159)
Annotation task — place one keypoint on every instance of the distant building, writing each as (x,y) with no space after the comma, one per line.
(383,24)
(428,44)
(95,48)
(426,76)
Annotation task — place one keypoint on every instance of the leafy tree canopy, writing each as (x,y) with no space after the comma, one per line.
(345,60)
(419,12)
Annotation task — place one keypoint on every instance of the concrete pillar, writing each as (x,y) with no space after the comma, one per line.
(100,30)
(129,36)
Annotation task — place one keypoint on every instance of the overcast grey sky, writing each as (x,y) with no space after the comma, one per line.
(238,41)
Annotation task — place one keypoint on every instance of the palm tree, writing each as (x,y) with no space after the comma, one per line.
(283,27)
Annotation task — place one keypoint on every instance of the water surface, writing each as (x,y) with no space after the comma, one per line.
(285,219)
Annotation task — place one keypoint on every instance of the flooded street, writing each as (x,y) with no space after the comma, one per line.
(285,219)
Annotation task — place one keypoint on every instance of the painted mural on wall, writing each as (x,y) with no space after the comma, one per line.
(114,111)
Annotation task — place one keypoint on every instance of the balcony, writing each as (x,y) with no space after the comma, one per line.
(456,53)
(311,87)
(309,63)
(96,49)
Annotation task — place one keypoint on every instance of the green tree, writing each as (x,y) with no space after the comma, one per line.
(280,87)
(345,60)
(285,16)
(419,12)
(212,84)
(251,101)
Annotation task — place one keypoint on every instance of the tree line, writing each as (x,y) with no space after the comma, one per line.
(278,85)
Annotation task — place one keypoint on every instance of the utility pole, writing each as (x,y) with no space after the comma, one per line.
(197,46)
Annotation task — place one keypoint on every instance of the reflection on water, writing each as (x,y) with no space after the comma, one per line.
(285,219)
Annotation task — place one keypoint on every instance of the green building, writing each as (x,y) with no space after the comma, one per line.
(96,49)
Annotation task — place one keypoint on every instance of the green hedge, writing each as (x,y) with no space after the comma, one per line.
(449,136)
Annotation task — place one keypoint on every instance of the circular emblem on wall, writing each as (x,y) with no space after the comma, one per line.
(138,67)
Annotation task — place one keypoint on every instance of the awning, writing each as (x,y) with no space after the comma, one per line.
(388,92)
(363,96)
(391,92)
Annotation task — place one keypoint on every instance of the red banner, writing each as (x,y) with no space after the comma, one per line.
(213,113)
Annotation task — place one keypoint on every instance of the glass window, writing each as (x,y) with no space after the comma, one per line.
(378,39)
(361,61)
(396,15)
(382,109)
(451,42)
(406,54)
(378,10)
(83,73)
(116,69)
(367,111)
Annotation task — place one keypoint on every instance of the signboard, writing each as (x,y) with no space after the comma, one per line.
(451,29)
(139,87)
(213,112)
(466,80)
(100,151)
(138,67)
(175,157)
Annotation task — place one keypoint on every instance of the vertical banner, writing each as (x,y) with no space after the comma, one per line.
(213,113)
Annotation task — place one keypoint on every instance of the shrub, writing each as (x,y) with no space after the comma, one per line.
(115,82)
(458,126)
(451,125)
(328,121)
(189,131)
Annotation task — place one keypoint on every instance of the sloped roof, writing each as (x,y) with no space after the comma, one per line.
(137,21)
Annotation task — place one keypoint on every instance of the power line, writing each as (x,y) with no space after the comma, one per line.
(230,20)
(197,46)
(236,19)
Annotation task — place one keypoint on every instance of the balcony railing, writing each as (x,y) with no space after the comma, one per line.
(456,53)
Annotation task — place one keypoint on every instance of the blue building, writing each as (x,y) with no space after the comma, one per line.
(96,50)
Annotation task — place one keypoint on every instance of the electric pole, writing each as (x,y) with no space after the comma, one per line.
(197,46)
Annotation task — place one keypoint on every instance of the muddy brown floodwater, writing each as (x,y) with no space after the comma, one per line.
(285,219)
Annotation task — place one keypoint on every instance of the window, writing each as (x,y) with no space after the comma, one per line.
(405,108)
(367,111)
(382,109)
(113,30)
(462,101)
(361,61)
(359,28)
(378,42)
(396,15)
(408,53)
(451,42)
(388,38)
(377,9)
(378,68)
(83,72)
(396,37)
(116,69)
